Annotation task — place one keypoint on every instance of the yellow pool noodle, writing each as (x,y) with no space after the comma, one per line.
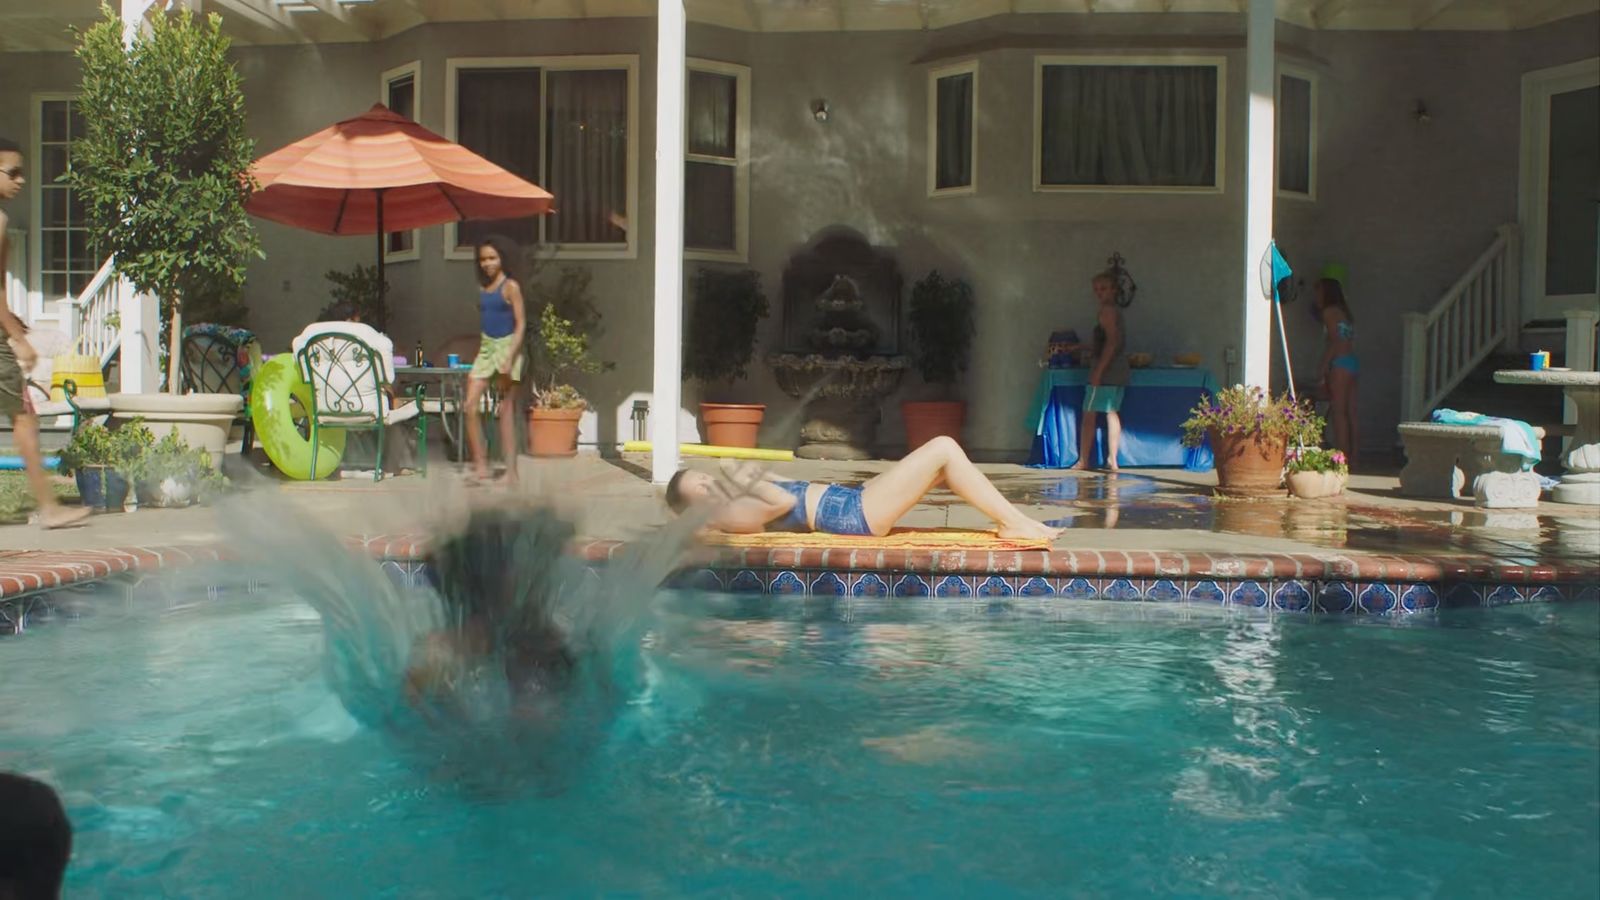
(709,450)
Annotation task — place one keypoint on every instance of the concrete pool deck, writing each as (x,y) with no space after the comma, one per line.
(1143,534)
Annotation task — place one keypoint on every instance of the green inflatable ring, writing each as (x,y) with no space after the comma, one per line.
(272,388)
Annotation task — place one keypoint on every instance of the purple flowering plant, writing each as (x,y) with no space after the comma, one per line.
(1251,411)
(1316,459)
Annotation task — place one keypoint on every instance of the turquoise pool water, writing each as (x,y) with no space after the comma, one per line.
(922,749)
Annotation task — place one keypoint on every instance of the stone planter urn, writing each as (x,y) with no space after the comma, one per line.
(202,420)
(843,397)
(1248,465)
(1314,485)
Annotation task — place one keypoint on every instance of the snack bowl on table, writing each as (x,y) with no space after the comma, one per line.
(1187,359)
(1140,360)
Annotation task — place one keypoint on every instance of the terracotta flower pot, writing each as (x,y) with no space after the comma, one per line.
(1311,485)
(553,432)
(1248,465)
(732,424)
(927,420)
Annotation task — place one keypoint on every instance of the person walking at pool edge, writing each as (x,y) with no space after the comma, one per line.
(17,359)
(35,839)
(502,323)
(1108,376)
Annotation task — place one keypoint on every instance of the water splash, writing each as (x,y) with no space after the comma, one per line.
(517,660)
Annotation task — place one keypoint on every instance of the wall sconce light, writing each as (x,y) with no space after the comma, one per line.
(1420,113)
(819,110)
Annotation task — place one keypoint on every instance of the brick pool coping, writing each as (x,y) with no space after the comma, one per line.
(28,572)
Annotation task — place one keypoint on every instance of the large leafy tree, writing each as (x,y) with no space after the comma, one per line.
(163,166)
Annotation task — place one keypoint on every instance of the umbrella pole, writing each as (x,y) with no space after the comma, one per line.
(383,308)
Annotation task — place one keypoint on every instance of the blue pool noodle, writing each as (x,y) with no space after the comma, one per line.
(15,462)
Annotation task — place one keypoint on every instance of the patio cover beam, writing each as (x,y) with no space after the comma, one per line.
(667,389)
(1260,37)
(336,11)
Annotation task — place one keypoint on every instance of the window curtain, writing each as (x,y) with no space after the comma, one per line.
(1294,135)
(497,117)
(1129,125)
(953,132)
(712,114)
(587,135)
(709,188)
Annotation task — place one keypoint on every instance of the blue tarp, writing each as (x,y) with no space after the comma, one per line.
(1154,408)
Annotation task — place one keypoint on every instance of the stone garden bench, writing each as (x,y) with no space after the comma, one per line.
(1444,460)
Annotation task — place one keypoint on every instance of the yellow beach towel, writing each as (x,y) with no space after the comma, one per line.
(898,539)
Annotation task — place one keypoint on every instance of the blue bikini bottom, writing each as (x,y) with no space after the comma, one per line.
(1347,361)
(838,512)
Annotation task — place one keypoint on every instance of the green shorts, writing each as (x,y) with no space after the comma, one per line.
(1107,398)
(13,390)
(492,355)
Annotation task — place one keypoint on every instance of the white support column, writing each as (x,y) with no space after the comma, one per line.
(133,13)
(667,390)
(1259,173)
(139,358)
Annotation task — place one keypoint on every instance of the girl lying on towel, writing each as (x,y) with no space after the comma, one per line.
(757,501)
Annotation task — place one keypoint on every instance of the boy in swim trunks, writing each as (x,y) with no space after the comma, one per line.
(17,359)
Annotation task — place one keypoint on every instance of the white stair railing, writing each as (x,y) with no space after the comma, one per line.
(97,320)
(1480,313)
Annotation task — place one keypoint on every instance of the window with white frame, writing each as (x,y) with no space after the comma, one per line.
(716,176)
(66,257)
(567,124)
(952,129)
(1129,124)
(1297,139)
(400,94)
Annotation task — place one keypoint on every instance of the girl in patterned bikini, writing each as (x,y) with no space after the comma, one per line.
(1339,366)
(751,501)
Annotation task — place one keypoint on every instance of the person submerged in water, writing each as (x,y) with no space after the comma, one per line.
(499,617)
(757,501)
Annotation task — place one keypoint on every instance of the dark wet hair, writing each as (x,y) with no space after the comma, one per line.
(505,571)
(1333,295)
(35,836)
(343,311)
(502,246)
(7,145)
(675,499)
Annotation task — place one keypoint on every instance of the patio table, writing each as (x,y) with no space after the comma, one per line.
(1580,483)
(1154,407)
(452,384)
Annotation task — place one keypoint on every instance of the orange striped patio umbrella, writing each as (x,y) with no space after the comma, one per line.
(381,172)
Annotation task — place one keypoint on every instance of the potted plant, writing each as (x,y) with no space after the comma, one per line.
(102,460)
(718,345)
(1249,433)
(1313,472)
(170,473)
(941,336)
(361,290)
(561,351)
(164,184)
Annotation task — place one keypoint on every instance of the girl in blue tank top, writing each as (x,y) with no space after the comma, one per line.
(499,361)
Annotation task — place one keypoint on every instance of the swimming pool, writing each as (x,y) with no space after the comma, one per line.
(848,747)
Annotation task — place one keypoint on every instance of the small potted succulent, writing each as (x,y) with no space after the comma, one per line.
(1313,472)
(718,344)
(1250,433)
(941,332)
(102,460)
(170,473)
(560,352)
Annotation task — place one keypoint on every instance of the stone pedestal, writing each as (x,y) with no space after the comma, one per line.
(839,429)
(1506,490)
(1581,482)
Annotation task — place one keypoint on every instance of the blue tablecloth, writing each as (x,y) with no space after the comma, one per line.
(1154,408)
